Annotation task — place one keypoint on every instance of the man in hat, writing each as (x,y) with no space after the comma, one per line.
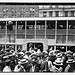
(27,53)
(57,66)
(69,54)
(19,67)
(7,66)
(52,57)
(69,67)
(35,65)
(27,63)
(1,65)
(20,55)
(74,61)
(44,64)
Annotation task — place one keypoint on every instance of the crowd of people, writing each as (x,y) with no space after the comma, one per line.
(53,61)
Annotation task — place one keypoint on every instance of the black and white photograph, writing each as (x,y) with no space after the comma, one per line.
(37,37)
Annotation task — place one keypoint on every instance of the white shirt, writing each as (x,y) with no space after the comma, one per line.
(18,69)
(7,69)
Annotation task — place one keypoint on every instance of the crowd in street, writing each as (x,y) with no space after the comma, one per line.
(53,61)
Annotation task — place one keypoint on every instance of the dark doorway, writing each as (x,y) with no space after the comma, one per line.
(71,48)
(61,48)
(35,46)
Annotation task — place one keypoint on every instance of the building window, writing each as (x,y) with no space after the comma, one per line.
(54,6)
(72,13)
(60,6)
(46,6)
(73,6)
(44,13)
(40,13)
(71,24)
(53,14)
(66,13)
(57,13)
(40,6)
(61,13)
(50,13)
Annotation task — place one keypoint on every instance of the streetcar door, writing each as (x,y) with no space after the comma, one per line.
(35,46)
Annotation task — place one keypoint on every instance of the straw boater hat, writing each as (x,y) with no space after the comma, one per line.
(5,57)
(51,53)
(7,60)
(73,54)
(23,61)
(33,54)
(69,52)
(59,55)
(28,52)
(69,61)
(21,53)
(58,62)
(7,49)
(26,57)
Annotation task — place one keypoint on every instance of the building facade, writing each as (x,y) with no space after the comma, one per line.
(45,25)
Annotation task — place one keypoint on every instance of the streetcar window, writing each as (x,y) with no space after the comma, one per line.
(71,24)
(40,25)
(2,24)
(50,24)
(20,25)
(61,25)
(30,25)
